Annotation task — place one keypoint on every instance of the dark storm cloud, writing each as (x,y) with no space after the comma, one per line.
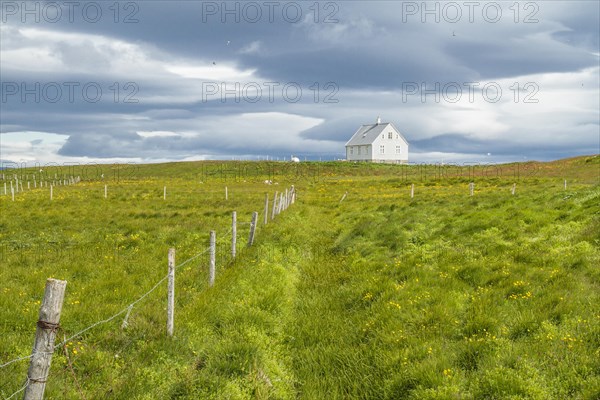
(369,50)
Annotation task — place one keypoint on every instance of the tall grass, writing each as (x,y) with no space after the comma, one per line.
(377,297)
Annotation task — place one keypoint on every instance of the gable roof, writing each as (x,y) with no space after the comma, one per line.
(367,134)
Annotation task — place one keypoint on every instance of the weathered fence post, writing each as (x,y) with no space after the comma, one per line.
(471,188)
(43,347)
(213,253)
(51,192)
(565,184)
(412,190)
(286,200)
(226,193)
(171,293)
(252,228)
(274,210)
(293,194)
(514,188)
(233,233)
(12,193)
(164,192)
(280,205)
(266,208)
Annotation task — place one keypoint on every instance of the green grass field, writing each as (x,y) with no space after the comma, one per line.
(378,296)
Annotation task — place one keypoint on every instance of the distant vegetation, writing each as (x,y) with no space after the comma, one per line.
(378,296)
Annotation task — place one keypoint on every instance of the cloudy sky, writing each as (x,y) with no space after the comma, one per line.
(149,81)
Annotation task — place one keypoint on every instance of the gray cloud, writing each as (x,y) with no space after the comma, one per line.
(369,54)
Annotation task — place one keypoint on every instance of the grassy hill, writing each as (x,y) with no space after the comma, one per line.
(379,296)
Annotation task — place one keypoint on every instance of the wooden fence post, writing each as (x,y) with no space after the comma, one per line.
(51,192)
(266,208)
(471,188)
(252,228)
(171,293)
(514,188)
(274,206)
(293,194)
(43,347)
(565,184)
(226,193)
(164,193)
(233,233)
(280,205)
(412,190)
(213,253)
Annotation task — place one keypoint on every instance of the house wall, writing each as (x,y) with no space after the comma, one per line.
(365,153)
(389,146)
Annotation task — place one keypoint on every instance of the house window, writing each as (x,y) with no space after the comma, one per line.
(397,136)
(390,135)
(383,135)
(351,150)
(381,149)
(398,150)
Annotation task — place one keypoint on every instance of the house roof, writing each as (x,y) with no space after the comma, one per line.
(367,134)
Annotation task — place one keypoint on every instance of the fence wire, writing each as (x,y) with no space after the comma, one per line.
(226,237)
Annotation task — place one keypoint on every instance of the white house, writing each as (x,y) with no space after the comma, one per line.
(379,142)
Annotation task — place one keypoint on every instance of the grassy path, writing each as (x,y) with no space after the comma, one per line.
(474,299)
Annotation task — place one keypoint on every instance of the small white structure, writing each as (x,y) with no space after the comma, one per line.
(379,142)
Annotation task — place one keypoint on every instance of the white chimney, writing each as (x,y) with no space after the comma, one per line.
(378,120)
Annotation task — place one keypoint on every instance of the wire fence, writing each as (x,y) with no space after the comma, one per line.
(126,310)
(224,239)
